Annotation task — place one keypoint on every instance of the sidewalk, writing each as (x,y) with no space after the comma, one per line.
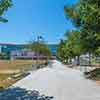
(62,83)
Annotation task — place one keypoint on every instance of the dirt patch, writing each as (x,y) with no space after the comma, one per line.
(98,82)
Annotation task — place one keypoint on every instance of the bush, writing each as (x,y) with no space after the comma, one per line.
(4,56)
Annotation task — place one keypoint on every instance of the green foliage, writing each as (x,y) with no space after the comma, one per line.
(86,17)
(4,56)
(97,52)
(4,5)
(70,47)
(40,48)
(75,42)
(61,52)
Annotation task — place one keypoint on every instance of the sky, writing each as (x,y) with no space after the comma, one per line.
(28,19)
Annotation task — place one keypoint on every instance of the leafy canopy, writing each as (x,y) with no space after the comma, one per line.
(40,48)
(86,17)
(4,5)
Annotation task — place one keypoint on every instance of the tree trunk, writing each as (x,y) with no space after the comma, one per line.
(78,60)
(70,60)
(89,59)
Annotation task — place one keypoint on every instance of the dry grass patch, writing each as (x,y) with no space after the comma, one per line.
(18,64)
(4,81)
(8,67)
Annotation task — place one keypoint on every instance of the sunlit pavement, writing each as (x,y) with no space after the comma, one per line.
(62,83)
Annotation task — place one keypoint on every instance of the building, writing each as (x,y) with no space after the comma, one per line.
(18,51)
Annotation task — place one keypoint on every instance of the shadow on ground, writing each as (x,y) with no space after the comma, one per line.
(22,94)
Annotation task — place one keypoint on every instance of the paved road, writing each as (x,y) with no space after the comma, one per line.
(62,83)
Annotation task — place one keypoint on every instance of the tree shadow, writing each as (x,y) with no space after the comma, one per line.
(22,94)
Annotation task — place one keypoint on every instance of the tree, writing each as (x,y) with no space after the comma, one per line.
(86,17)
(4,5)
(40,48)
(97,52)
(69,48)
(74,44)
(61,52)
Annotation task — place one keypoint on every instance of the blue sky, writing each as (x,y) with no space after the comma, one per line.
(30,18)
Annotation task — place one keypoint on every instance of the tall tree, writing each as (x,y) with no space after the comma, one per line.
(74,43)
(86,17)
(61,52)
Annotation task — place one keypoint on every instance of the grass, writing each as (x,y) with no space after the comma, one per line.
(4,76)
(8,68)
(4,82)
(17,64)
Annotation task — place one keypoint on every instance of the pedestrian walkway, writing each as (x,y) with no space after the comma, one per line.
(62,83)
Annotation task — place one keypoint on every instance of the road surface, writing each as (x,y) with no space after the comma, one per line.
(62,83)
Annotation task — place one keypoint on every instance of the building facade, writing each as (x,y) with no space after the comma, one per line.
(17,51)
